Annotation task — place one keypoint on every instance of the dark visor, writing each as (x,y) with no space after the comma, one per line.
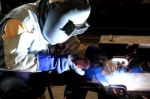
(71,29)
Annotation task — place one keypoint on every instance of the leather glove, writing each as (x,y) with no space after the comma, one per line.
(59,63)
(95,74)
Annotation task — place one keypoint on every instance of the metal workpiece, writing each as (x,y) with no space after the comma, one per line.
(92,86)
(111,90)
(118,90)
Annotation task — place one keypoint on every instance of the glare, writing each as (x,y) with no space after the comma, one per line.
(133,81)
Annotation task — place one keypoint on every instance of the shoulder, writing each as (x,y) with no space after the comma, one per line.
(13,27)
(22,11)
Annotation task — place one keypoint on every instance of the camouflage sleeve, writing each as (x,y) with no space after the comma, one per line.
(72,46)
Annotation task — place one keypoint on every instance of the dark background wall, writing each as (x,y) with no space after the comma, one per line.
(7,5)
(107,16)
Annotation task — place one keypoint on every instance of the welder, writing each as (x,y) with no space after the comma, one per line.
(38,39)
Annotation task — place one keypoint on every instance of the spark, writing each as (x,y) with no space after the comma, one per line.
(134,81)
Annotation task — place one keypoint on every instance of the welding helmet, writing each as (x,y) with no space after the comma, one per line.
(64,20)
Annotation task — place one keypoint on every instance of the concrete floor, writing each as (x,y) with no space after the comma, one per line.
(58,92)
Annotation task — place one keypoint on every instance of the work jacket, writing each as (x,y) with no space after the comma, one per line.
(22,40)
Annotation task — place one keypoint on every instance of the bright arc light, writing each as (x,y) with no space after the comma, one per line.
(133,81)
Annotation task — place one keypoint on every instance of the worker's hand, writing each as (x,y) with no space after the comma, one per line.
(83,63)
(59,63)
(95,74)
(65,63)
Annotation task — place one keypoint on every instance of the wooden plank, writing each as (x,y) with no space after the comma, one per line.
(125,39)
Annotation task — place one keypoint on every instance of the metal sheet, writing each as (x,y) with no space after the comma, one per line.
(133,81)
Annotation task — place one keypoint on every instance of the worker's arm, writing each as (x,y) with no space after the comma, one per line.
(17,40)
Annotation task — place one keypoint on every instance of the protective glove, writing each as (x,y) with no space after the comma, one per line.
(59,63)
(95,74)
(136,69)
